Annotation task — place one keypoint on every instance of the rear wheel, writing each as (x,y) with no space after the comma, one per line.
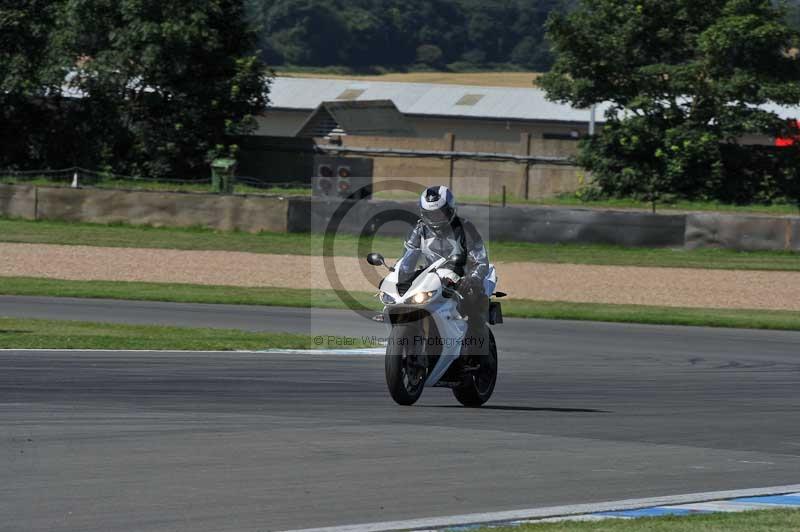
(478,386)
(406,364)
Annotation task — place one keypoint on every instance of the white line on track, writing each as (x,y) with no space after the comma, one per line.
(437,523)
(318,352)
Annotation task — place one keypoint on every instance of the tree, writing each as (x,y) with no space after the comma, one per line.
(368,33)
(367,37)
(304,32)
(686,82)
(26,78)
(430,55)
(794,15)
(166,84)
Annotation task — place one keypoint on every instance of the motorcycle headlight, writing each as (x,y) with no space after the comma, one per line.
(422,297)
(386,299)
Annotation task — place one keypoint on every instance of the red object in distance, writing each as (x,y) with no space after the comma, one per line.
(791,141)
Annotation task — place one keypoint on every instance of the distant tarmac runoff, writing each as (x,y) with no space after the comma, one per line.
(582,413)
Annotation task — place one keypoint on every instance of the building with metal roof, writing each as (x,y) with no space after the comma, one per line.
(478,113)
(483,140)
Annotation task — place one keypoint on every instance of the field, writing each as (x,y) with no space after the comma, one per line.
(480,79)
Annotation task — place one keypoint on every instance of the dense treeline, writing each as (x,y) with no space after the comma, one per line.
(163,83)
(419,34)
(405,33)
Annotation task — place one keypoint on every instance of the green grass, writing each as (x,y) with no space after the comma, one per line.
(159,186)
(50,334)
(653,315)
(761,521)
(306,298)
(570,200)
(179,293)
(44,232)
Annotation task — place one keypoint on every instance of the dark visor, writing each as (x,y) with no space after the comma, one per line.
(439,216)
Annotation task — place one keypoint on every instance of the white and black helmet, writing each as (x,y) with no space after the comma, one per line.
(437,206)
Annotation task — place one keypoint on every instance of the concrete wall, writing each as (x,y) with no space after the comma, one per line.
(18,201)
(520,224)
(516,224)
(227,213)
(747,233)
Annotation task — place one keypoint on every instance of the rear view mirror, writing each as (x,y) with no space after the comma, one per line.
(376,259)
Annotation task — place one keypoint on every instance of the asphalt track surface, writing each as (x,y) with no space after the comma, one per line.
(583,412)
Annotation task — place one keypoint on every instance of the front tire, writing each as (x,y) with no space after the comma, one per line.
(406,365)
(478,388)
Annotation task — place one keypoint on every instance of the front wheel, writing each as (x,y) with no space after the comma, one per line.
(406,365)
(478,387)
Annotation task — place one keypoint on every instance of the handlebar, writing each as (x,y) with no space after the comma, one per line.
(450,292)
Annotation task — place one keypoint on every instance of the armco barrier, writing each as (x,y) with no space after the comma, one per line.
(747,233)
(520,224)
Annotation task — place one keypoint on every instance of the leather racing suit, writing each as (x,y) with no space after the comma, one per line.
(459,237)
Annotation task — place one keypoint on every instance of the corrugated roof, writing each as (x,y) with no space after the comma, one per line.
(432,100)
(787,113)
(368,118)
(427,99)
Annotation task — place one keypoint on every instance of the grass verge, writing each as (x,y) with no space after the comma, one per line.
(45,232)
(179,293)
(570,200)
(160,186)
(764,520)
(305,298)
(49,334)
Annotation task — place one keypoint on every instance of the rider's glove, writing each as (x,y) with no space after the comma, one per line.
(472,285)
(449,277)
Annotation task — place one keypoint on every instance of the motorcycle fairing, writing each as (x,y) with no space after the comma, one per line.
(448,320)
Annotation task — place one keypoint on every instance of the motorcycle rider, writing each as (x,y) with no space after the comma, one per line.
(440,232)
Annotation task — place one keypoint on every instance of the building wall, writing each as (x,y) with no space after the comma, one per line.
(494,130)
(285,123)
(477,178)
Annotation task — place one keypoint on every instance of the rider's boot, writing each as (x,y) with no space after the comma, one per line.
(478,330)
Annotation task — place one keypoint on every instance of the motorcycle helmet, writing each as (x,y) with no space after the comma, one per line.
(437,206)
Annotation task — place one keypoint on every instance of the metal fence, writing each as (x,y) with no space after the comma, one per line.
(80,177)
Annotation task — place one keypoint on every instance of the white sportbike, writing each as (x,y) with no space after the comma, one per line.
(428,343)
